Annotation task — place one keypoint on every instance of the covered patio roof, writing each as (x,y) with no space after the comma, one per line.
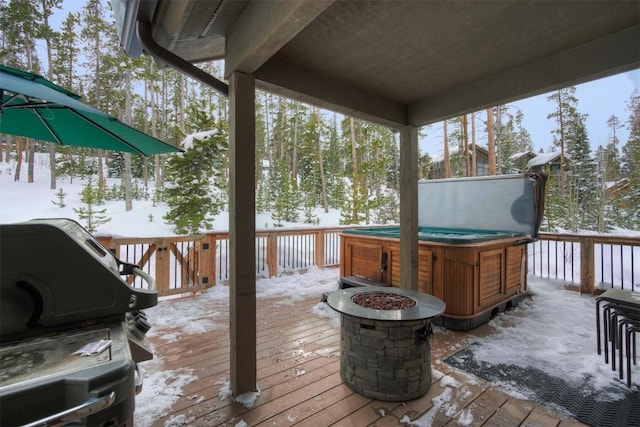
(402,64)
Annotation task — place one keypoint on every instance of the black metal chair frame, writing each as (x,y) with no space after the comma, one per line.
(621,322)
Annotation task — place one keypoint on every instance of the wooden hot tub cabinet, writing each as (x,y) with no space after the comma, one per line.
(475,280)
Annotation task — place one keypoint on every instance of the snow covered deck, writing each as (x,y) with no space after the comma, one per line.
(298,347)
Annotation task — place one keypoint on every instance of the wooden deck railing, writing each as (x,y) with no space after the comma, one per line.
(592,262)
(193,263)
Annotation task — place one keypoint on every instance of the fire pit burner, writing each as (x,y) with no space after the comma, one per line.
(384,301)
(385,349)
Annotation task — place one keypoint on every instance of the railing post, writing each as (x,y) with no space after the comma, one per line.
(162,267)
(587,265)
(319,249)
(272,254)
(208,260)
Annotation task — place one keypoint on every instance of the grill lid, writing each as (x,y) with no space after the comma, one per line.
(54,273)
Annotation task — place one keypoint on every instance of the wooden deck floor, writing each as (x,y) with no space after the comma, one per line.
(299,379)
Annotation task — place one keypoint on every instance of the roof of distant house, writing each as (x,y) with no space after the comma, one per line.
(543,159)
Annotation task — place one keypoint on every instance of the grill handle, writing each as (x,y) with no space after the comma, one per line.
(151,284)
(90,407)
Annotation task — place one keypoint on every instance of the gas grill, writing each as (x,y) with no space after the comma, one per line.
(71,329)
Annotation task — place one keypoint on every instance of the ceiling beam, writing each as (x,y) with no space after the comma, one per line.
(264,28)
(287,79)
(603,57)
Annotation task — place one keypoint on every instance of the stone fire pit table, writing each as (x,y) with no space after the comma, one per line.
(385,351)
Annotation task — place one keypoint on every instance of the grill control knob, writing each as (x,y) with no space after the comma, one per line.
(142,325)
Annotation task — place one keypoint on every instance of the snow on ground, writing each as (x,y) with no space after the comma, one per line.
(554,331)
(23,201)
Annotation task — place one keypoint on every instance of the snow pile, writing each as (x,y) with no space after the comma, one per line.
(446,402)
(246,399)
(160,390)
(554,332)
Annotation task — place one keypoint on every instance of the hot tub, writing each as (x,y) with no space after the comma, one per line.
(476,270)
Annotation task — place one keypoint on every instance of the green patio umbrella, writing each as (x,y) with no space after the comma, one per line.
(34,107)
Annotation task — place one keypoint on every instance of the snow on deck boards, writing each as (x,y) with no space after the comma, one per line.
(298,359)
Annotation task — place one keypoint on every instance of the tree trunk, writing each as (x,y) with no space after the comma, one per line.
(323,189)
(267,125)
(16,177)
(31,146)
(491,142)
(128,202)
(354,168)
(71,170)
(294,149)
(7,151)
(101,179)
(499,139)
(474,160)
(561,142)
(465,137)
(282,121)
(154,127)
(52,165)
(447,159)
(52,146)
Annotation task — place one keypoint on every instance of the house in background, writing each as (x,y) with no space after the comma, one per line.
(458,164)
(546,162)
(617,190)
(520,161)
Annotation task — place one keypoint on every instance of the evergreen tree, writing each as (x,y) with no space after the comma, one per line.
(611,156)
(287,200)
(93,217)
(60,194)
(66,52)
(511,138)
(630,205)
(565,103)
(196,188)
(554,205)
(577,185)
(581,177)
(334,165)
(115,167)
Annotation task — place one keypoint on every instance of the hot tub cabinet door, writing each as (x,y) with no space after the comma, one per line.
(425,267)
(479,280)
(363,258)
(502,274)
(516,270)
(491,286)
